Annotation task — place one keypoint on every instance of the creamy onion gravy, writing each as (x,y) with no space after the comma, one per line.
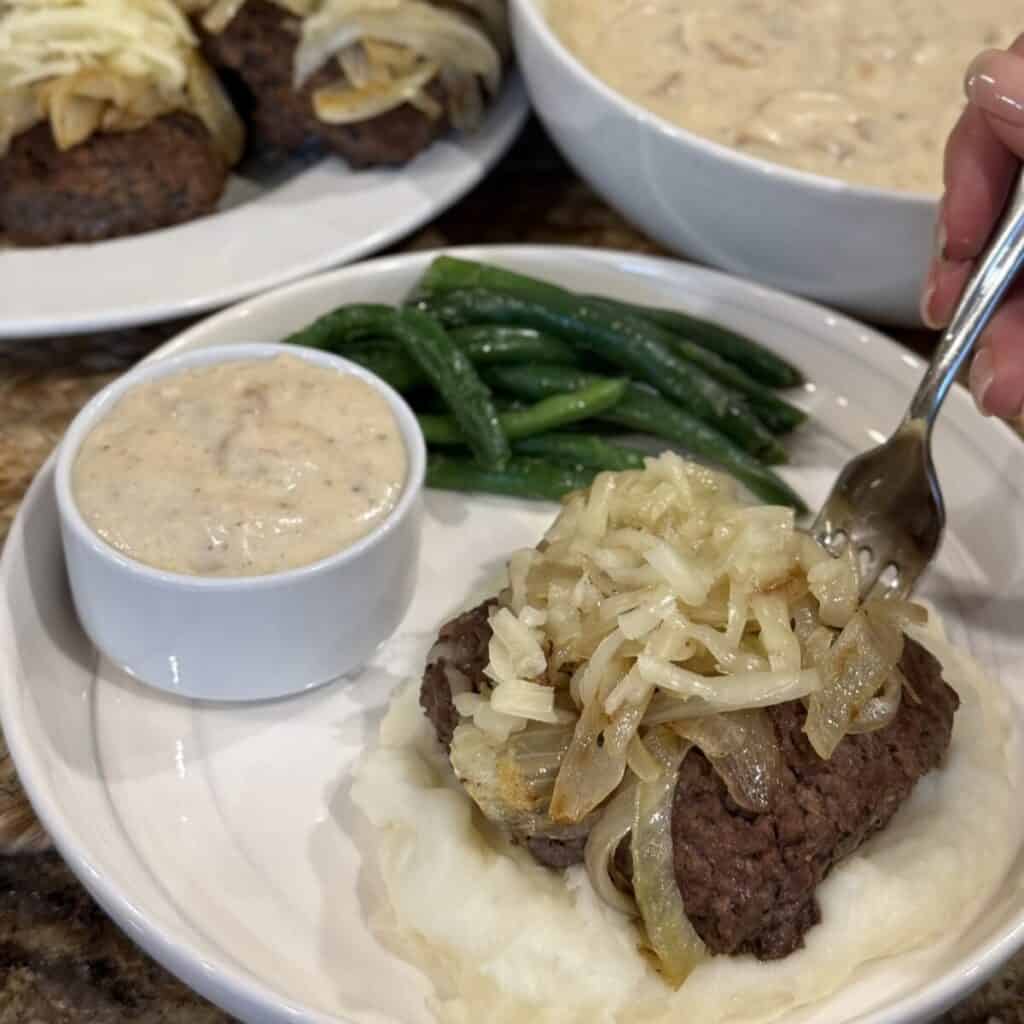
(862,90)
(241,468)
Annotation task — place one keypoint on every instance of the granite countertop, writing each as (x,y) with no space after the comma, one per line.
(61,959)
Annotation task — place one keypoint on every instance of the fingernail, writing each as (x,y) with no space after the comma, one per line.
(995,83)
(983,371)
(939,241)
(938,258)
(927,294)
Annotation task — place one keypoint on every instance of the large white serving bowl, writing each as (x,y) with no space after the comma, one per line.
(860,249)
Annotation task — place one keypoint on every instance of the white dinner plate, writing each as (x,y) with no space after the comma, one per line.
(223,840)
(276,223)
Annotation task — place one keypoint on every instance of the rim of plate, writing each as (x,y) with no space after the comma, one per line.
(440,189)
(211,978)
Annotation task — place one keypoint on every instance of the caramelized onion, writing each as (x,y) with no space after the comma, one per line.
(612,827)
(592,768)
(856,667)
(19,111)
(109,65)
(220,14)
(536,754)
(669,932)
(834,582)
(640,761)
(512,782)
(743,750)
(667,707)
(777,637)
(341,103)
(709,694)
(213,107)
(434,33)
(880,711)
(893,612)
(493,15)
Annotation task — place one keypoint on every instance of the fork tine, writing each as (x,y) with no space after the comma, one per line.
(826,534)
(873,560)
(869,580)
(882,589)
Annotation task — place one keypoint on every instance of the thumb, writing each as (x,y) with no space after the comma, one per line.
(997,374)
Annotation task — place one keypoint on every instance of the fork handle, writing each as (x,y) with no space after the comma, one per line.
(996,269)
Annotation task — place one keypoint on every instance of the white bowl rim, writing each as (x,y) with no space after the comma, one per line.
(102,402)
(532,11)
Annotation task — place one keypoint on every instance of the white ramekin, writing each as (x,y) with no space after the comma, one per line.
(242,638)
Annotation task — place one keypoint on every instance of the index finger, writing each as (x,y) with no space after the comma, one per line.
(980,160)
(978,172)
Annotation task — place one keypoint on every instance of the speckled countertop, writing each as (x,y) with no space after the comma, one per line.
(61,960)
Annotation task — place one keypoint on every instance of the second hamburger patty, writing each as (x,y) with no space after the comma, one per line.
(110,185)
(748,880)
(258,47)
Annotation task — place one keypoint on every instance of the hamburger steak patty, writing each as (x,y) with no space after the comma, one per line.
(461,645)
(258,47)
(748,880)
(112,184)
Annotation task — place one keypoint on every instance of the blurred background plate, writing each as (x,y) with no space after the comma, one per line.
(276,223)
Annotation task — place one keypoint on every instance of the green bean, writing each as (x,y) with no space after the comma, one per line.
(483,344)
(518,344)
(760,362)
(345,325)
(449,273)
(440,429)
(522,477)
(440,360)
(646,412)
(587,450)
(389,363)
(453,375)
(778,416)
(367,323)
(644,349)
(775,412)
(491,343)
(554,410)
(704,396)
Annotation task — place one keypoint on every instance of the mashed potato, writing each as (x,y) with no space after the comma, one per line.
(504,940)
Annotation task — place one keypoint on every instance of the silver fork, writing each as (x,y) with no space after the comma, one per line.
(887,502)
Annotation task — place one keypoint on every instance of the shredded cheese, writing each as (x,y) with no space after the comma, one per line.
(104,65)
(662,579)
(46,39)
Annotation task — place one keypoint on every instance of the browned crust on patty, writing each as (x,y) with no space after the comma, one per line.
(748,880)
(111,185)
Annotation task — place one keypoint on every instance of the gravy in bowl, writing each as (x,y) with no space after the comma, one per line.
(861,90)
(241,468)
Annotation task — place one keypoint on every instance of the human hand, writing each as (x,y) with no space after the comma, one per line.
(982,155)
